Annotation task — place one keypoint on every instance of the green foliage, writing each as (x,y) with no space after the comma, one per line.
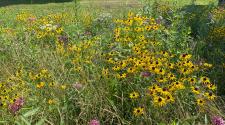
(62,58)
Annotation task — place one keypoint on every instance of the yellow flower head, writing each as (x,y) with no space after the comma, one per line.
(51,101)
(134,95)
(159,101)
(63,87)
(200,102)
(210,95)
(138,111)
(40,85)
(195,90)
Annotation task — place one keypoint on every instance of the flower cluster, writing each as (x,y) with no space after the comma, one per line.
(13,88)
(216,120)
(42,27)
(134,55)
(17,105)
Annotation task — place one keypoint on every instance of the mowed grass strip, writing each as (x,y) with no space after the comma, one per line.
(111,3)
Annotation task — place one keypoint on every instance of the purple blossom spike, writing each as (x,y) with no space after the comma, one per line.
(216,120)
(94,122)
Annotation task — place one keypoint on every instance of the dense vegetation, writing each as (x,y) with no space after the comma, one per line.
(115,62)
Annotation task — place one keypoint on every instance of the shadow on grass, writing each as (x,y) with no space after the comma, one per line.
(16,2)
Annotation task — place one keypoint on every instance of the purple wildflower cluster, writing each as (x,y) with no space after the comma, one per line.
(216,120)
(94,122)
(17,105)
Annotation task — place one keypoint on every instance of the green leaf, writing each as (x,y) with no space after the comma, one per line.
(17,123)
(3,121)
(206,120)
(31,112)
(25,120)
(40,122)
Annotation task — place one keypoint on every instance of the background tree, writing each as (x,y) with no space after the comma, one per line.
(221,2)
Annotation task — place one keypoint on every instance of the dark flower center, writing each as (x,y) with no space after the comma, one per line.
(159,100)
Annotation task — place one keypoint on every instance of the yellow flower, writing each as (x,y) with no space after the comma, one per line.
(161,79)
(185,71)
(204,80)
(170,98)
(134,95)
(171,76)
(160,71)
(116,68)
(63,87)
(138,111)
(121,76)
(211,87)
(185,56)
(44,71)
(159,101)
(164,91)
(210,95)
(155,27)
(130,14)
(131,70)
(51,84)
(153,88)
(200,102)
(105,72)
(192,80)
(148,28)
(40,85)
(59,30)
(178,85)
(195,90)
(207,65)
(51,101)
(171,65)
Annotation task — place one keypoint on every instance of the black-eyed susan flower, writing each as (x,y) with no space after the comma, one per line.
(159,101)
(40,85)
(63,87)
(185,56)
(195,90)
(210,95)
(207,65)
(105,71)
(164,91)
(211,87)
(153,88)
(200,102)
(160,71)
(148,28)
(192,80)
(51,101)
(171,65)
(178,85)
(170,98)
(138,111)
(162,79)
(204,80)
(155,27)
(171,76)
(134,95)
(131,70)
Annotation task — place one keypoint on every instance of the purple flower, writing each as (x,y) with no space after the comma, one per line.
(31,19)
(94,122)
(216,120)
(78,86)
(145,74)
(17,105)
(63,38)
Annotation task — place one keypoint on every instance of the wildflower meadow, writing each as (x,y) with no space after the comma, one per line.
(112,62)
